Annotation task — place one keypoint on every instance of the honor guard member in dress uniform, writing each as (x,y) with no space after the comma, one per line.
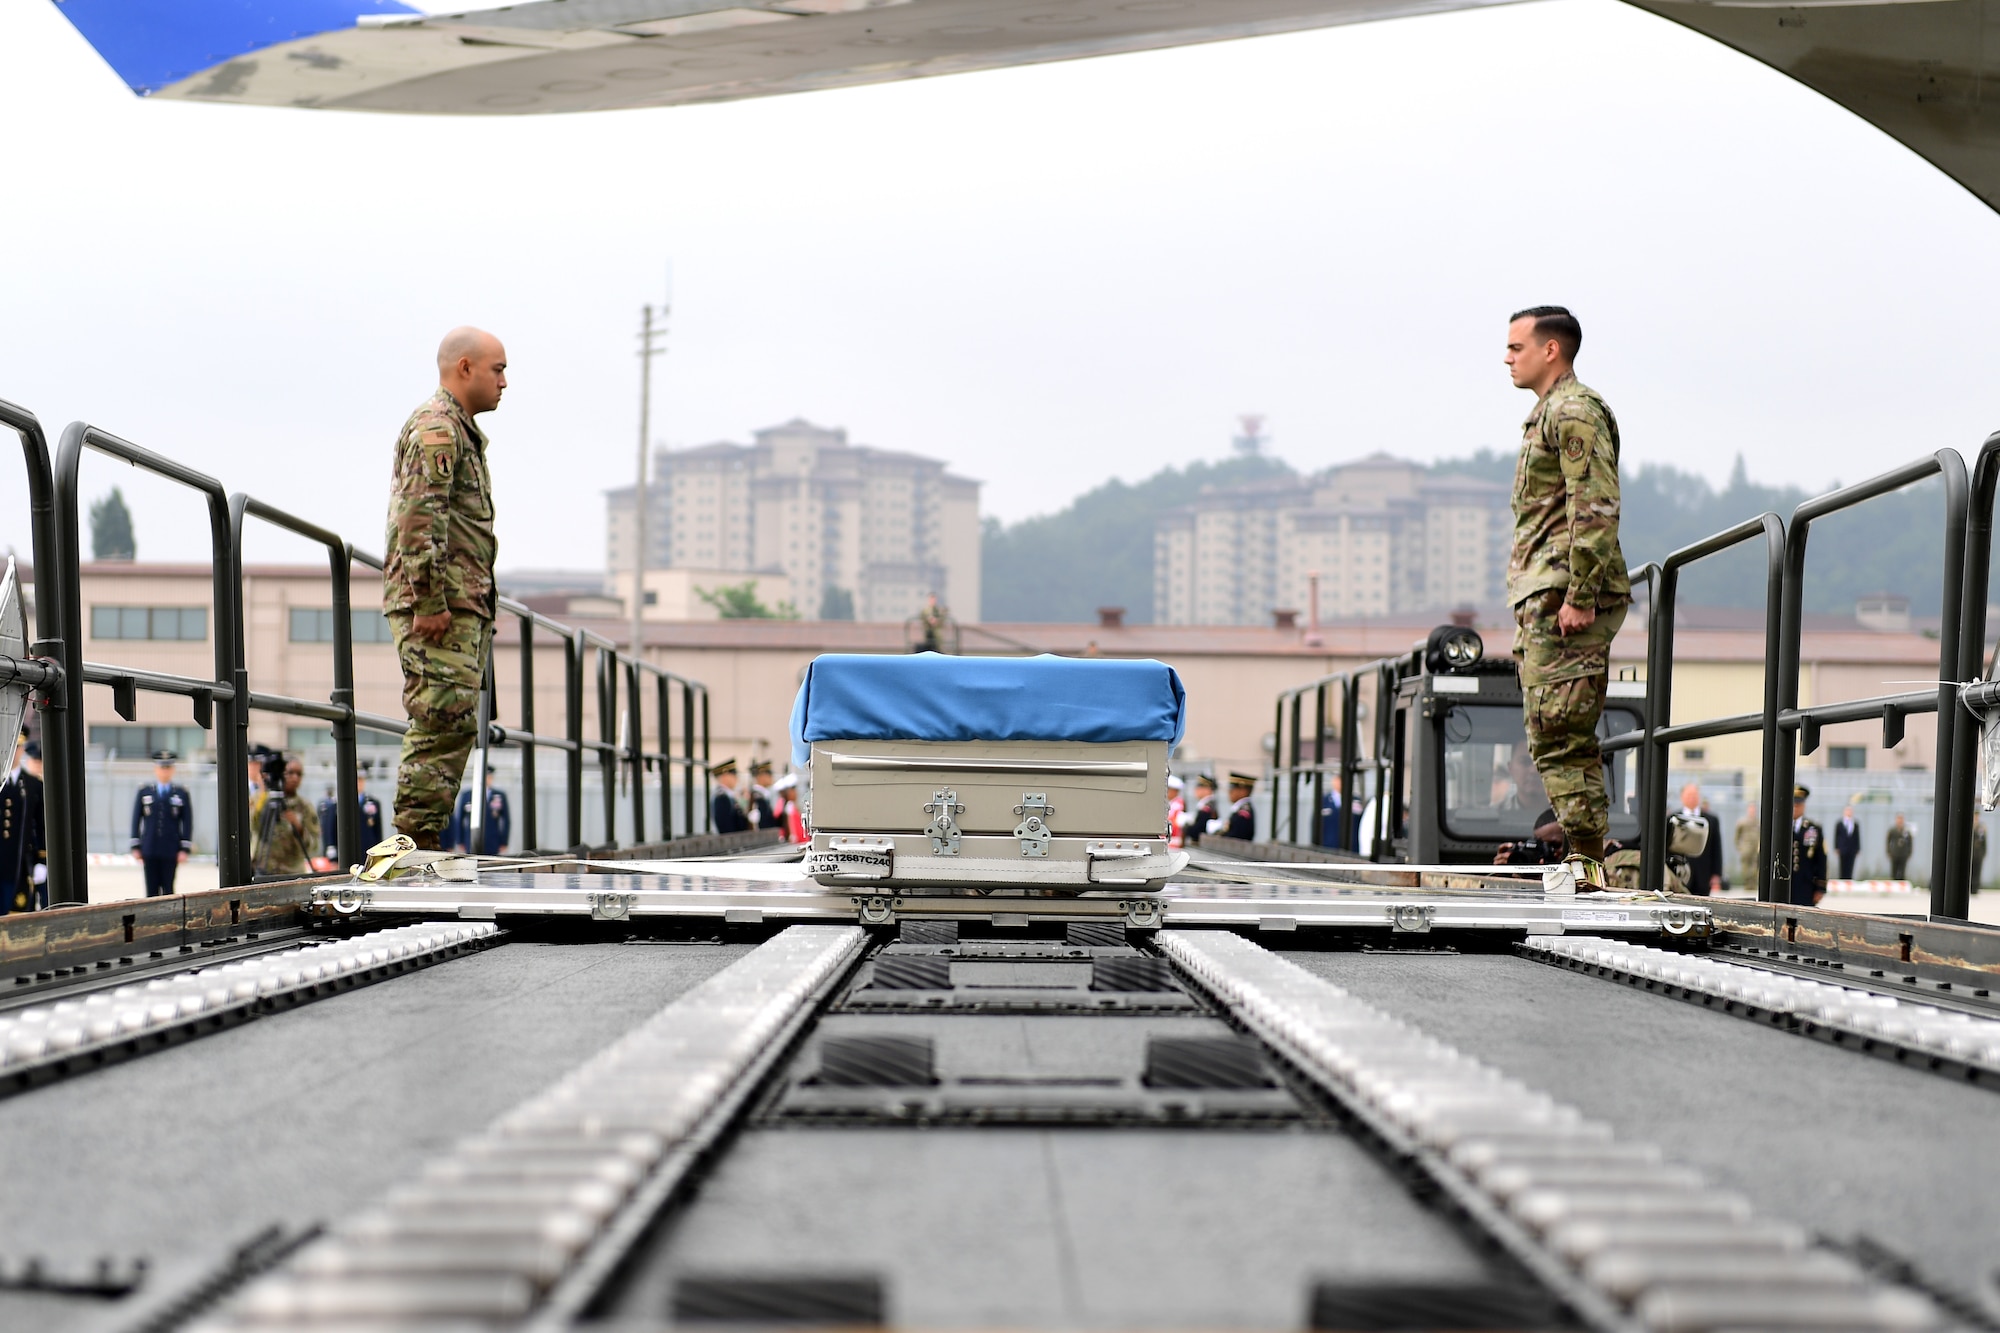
(31,879)
(162,826)
(366,807)
(329,831)
(1566,578)
(761,813)
(724,813)
(17,889)
(437,579)
(1242,821)
(1195,822)
(1808,853)
(499,820)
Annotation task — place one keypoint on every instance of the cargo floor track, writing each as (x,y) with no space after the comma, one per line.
(561,1101)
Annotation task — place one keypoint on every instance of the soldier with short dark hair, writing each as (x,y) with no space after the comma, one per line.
(437,579)
(1566,579)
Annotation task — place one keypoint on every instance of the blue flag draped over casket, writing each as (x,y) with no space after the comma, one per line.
(929,697)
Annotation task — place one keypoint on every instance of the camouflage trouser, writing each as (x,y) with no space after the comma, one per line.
(441,695)
(1563,679)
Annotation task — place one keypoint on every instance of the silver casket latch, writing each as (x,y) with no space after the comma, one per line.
(943,828)
(1033,830)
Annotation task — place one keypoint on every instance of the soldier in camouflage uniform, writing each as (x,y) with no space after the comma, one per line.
(1566,579)
(437,582)
(283,838)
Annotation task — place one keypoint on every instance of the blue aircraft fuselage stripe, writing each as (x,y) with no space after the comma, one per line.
(154,43)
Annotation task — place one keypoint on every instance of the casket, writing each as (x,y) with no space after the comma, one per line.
(988,772)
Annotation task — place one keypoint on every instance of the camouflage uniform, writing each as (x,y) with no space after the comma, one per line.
(289,849)
(1566,548)
(1749,857)
(441,551)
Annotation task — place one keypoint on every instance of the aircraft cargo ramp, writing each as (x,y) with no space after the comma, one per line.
(715,1094)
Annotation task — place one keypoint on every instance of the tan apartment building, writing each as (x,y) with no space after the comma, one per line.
(859,533)
(1384,536)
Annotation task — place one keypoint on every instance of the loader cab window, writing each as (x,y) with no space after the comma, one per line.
(1491,789)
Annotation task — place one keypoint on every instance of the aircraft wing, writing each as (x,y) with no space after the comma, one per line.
(1915,68)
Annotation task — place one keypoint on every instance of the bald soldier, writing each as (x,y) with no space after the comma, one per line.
(1566,578)
(437,583)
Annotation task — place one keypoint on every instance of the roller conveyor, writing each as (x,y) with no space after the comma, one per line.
(1013,1110)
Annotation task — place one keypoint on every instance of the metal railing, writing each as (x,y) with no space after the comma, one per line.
(224,701)
(1658,730)
(1978,692)
(1890,709)
(1965,691)
(1339,694)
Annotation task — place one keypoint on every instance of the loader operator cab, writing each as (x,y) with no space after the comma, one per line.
(1452,753)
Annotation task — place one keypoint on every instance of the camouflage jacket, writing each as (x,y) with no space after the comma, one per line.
(440,541)
(1566,502)
(290,848)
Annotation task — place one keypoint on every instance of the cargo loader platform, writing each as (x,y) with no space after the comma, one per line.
(1393,900)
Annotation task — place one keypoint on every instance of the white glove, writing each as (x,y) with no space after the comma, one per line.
(41,874)
(1217,825)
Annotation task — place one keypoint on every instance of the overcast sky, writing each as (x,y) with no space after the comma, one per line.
(1047,276)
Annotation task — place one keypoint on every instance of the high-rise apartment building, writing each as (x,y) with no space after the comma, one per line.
(1383,534)
(861,533)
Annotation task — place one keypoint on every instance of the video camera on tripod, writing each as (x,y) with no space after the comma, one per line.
(270,768)
(271,808)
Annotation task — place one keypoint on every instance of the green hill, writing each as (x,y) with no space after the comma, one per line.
(1098,551)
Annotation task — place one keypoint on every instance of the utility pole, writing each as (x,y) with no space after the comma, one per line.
(647,351)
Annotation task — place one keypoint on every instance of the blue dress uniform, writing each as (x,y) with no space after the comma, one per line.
(370,811)
(162,828)
(762,814)
(1206,811)
(724,814)
(499,822)
(329,816)
(35,844)
(1242,815)
(1808,853)
(17,889)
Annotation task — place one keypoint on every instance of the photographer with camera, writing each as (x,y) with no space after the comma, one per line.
(285,826)
(1546,848)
